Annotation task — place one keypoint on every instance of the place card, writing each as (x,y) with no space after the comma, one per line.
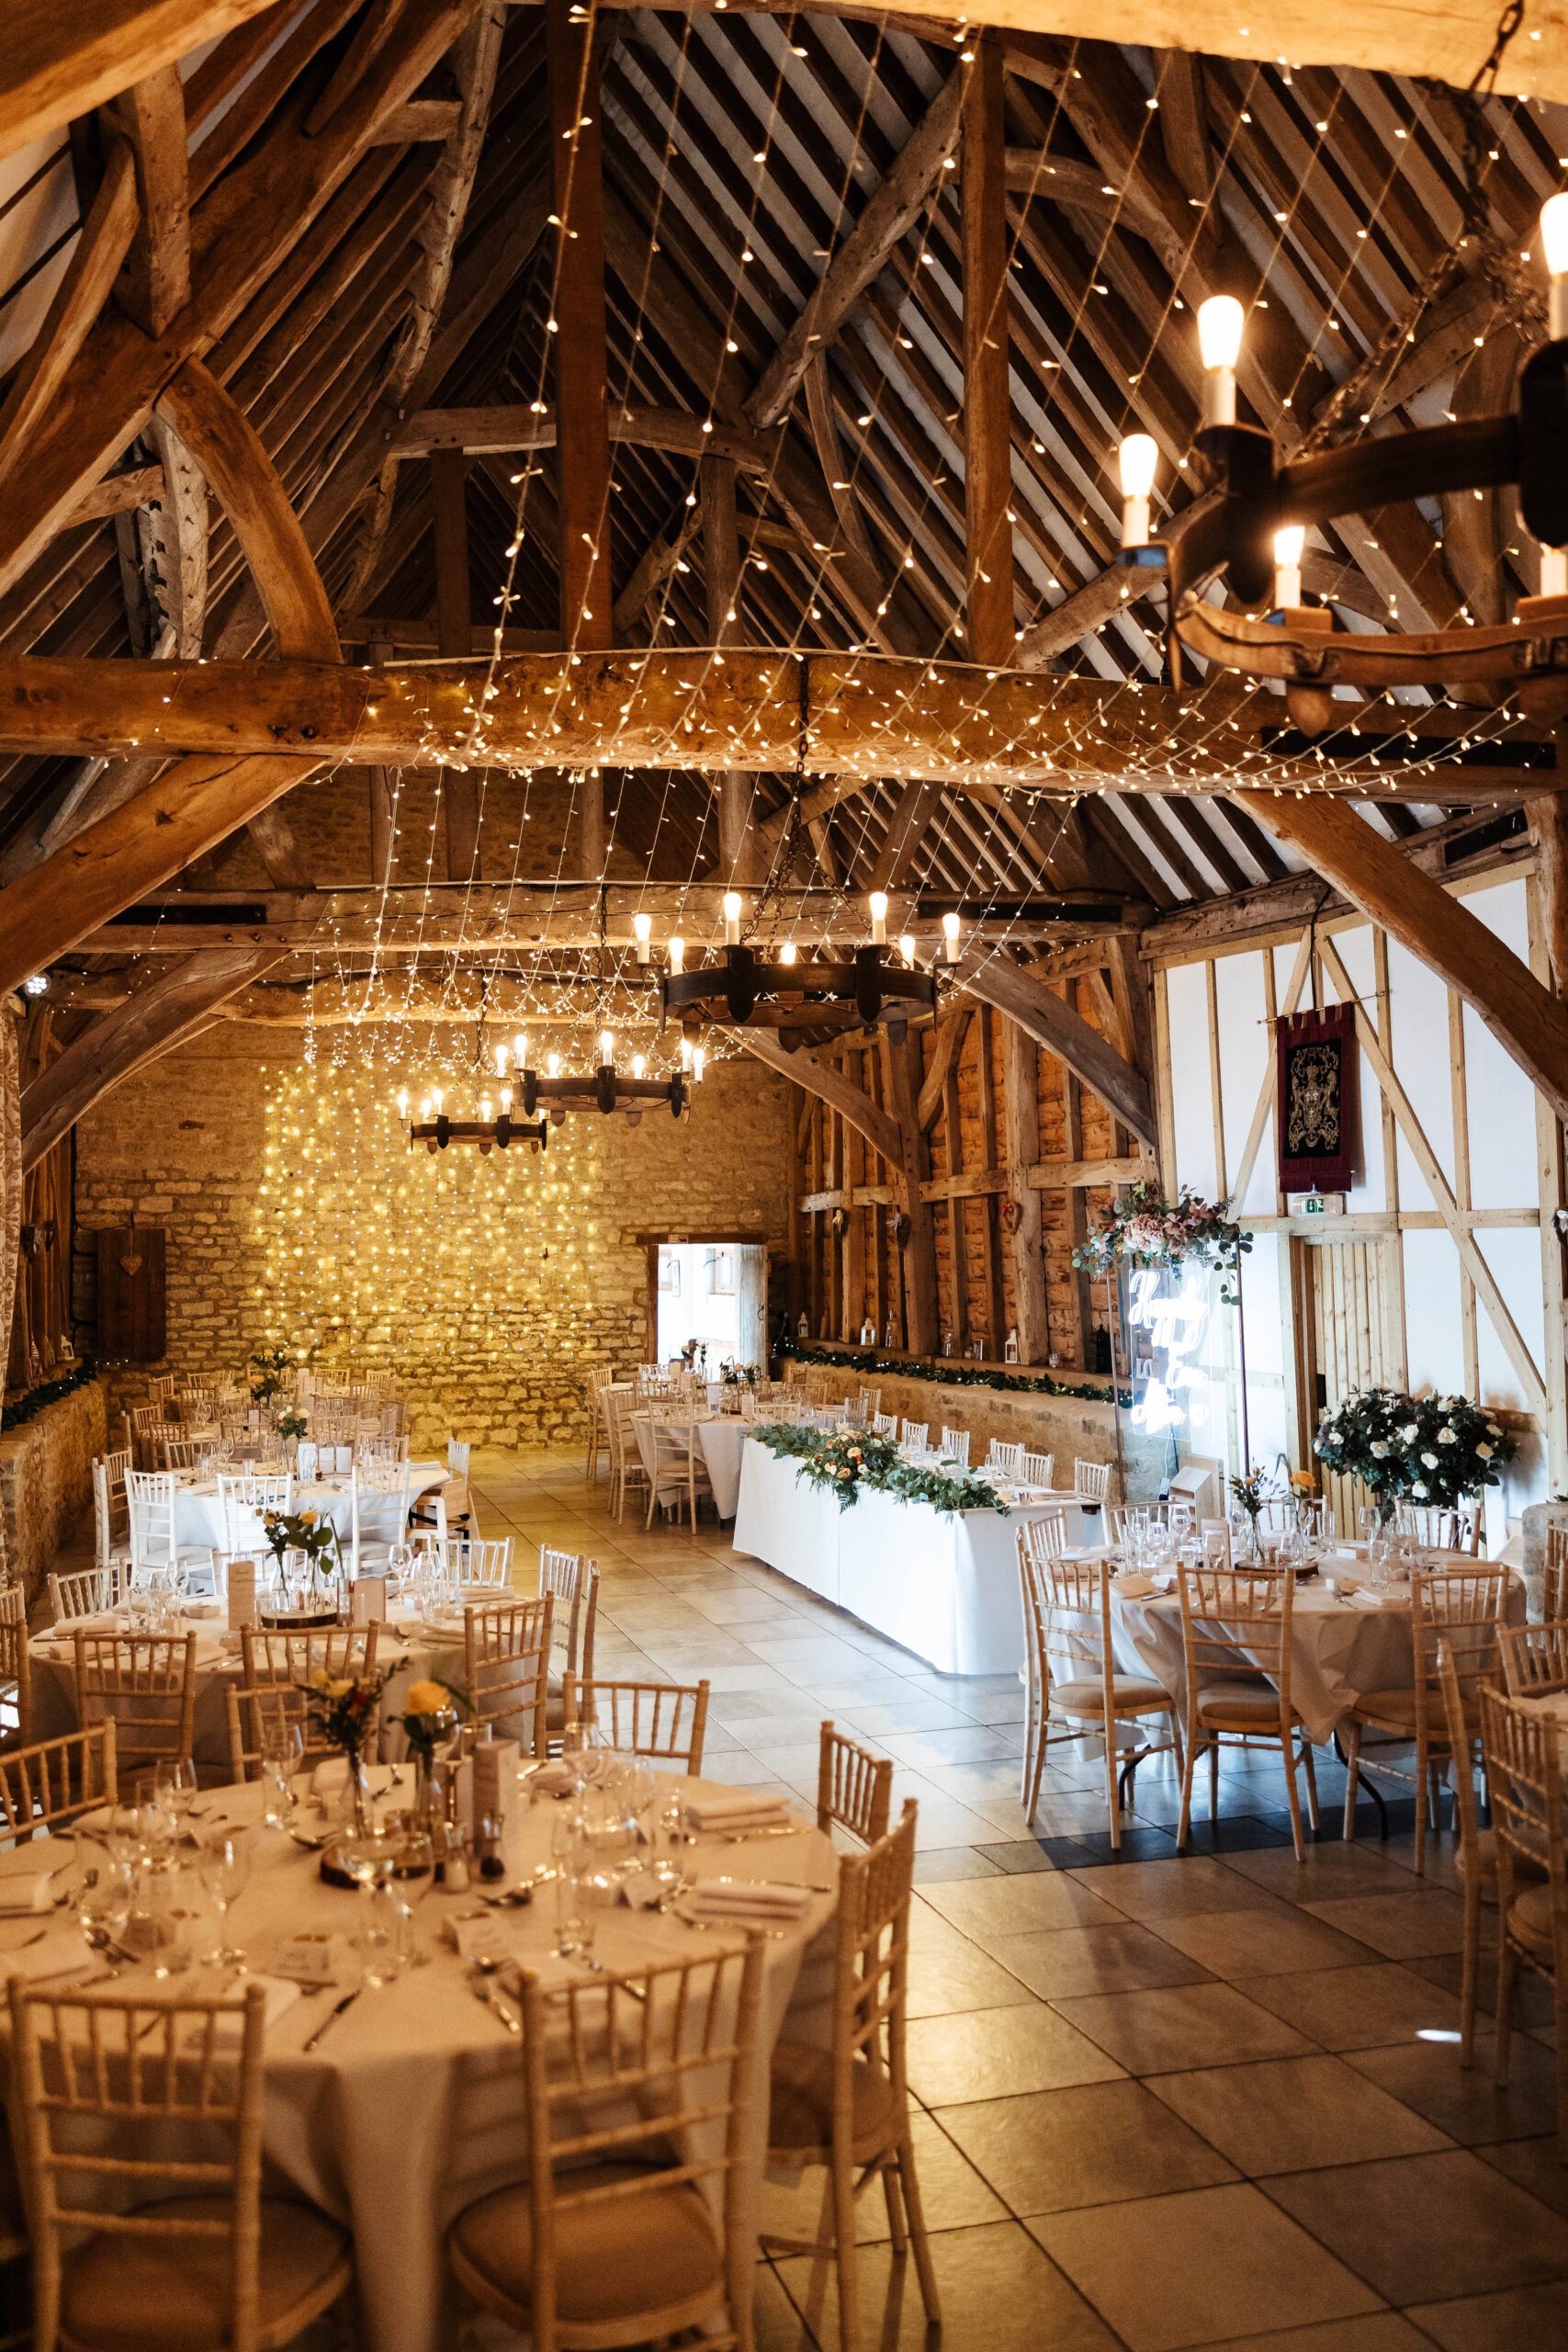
(312,1960)
(495,1763)
(241,1594)
(367,1601)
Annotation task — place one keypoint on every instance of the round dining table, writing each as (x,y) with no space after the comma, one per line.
(199,1509)
(721,1437)
(407,2105)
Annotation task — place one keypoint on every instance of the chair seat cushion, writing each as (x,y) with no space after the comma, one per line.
(612,2261)
(131,2294)
(1398,1707)
(1130,1691)
(1529,1917)
(1238,1701)
(800,2110)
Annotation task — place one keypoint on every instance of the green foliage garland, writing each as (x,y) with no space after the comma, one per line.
(843,1461)
(51,1392)
(946,1372)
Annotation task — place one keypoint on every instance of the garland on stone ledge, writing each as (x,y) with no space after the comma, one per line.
(843,1461)
(945,1372)
(50,1393)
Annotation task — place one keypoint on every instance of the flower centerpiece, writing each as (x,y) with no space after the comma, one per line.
(843,1461)
(312,1533)
(735,1375)
(1249,1493)
(1426,1450)
(1143,1225)
(269,1366)
(345,1709)
(694,1356)
(428,1720)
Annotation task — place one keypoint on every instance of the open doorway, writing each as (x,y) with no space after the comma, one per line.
(712,1292)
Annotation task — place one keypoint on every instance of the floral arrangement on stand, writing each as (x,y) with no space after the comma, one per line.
(694,1356)
(842,1461)
(1429,1450)
(291,1422)
(735,1375)
(1142,1225)
(268,1367)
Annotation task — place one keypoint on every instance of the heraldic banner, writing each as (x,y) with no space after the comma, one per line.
(1317,1100)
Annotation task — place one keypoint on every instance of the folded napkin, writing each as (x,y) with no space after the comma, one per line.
(200,1608)
(748,1898)
(22,1892)
(333,1774)
(553,1781)
(1134,1586)
(1362,1599)
(229,2031)
(468,1933)
(735,1813)
(103,1620)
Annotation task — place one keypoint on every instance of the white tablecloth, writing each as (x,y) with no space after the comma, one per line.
(410,2107)
(1336,1651)
(943,1583)
(199,1515)
(720,1440)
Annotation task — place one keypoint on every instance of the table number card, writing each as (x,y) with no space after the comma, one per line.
(495,1777)
(367,1601)
(241,1594)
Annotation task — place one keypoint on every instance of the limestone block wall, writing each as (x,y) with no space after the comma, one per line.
(490,1286)
(46,1481)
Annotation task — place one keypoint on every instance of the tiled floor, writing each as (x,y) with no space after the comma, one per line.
(1164,2102)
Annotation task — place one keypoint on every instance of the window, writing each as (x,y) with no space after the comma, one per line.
(670,1272)
(721,1273)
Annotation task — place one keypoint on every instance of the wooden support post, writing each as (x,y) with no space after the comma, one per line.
(832,1289)
(798,1107)
(1080,1303)
(903,1067)
(1550,1167)
(957,1216)
(995,1300)
(1548,823)
(880,1290)
(154,285)
(1469,1337)
(854,1311)
(454,640)
(1396,1350)
(987,434)
(814,1166)
(721,567)
(1020,1057)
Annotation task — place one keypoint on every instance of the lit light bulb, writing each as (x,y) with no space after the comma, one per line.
(677,954)
(1554,240)
(553,1065)
(642,925)
(699,1063)
(906,949)
(1288,546)
(501,1056)
(786,953)
(437,1097)
(485,1109)
(1220,322)
(520,1048)
(686,1056)
(1136,458)
(606,1046)
(732,918)
(639,1064)
(950,937)
(425,1109)
(402,1101)
(878,904)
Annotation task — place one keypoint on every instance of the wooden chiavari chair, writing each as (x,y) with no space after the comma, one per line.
(1459,1609)
(626,1472)
(53,1783)
(1045,1538)
(1039,1469)
(281,1655)
(1534,1658)
(87,1592)
(1092,1481)
(847,2107)
(1070,1670)
(637,2101)
(666,1721)
(1554,1577)
(1477,1855)
(1522,1751)
(854,1787)
(1236,1634)
(16,1669)
(1440,1530)
(94,2073)
(144,1684)
(571,1580)
(506,1660)
(679,1469)
(598,1436)
(955,1447)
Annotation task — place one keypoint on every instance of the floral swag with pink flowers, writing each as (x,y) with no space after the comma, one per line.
(1148,1230)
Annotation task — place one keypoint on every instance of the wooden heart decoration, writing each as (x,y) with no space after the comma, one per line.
(132,1265)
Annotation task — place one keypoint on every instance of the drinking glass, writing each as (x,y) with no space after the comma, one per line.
(382,1942)
(174,1782)
(102,1892)
(223,1862)
(282,1755)
(575,1922)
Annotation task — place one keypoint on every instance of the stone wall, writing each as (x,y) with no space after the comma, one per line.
(1071,1428)
(489,1285)
(46,1481)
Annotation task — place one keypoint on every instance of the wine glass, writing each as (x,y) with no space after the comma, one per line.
(223,1863)
(174,1782)
(103,1888)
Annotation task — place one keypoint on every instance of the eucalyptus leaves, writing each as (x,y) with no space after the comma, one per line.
(1417,1449)
(843,1461)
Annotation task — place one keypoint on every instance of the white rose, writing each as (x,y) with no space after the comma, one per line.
(1430,1459)
(1492,1430)
(1447,1437)
(1410,1434)
(1419,1489)
(1380,1451)
(1483,1452)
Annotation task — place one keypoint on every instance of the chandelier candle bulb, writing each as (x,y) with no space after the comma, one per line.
(906,948)
(606,1049)
(1288,546)
(642,926)
(501,1058)
(699,1062)
(520,1049)
(732,918)
(1554,240)
(878,904)
(553,1065)
(786,953)
(402,1101)
(639,1064)
(1219,320)
(950,937)
(677,954)
(1136,458)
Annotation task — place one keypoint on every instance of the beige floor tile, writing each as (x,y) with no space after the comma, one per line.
(996,2053)
(986,1908)
(1520,2316)
(1463,2101)
(948,1974)
(1094,2144)
(1357,2009)
(1426,2227)
(1181,2026)
(1170,1890)
(1062,1961)
(998,2293)
(1290,2114)
(1535,2164)
(1258,1943)
(1209,2264)
(1401,1927)
(1374,2331)
(1331,1869)
(955,2195)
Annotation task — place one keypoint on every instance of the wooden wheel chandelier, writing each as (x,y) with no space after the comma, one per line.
(556,1095)
(791,997)
(1251,527)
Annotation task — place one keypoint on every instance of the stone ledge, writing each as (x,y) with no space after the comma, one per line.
(46,1480)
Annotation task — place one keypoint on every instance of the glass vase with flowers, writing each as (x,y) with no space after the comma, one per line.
(429,1723)
(300,1542)
(345,1710)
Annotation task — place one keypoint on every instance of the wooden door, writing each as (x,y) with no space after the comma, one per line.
(1346,1347)
(132,1294)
